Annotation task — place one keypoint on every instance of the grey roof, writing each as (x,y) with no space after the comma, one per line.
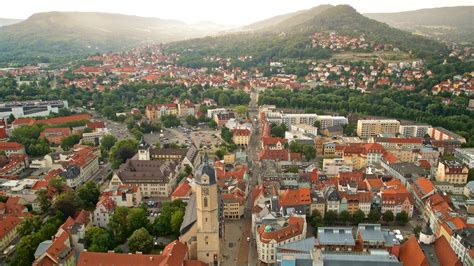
(206,169)
(371,232)
(335,236)
(304,245)
(189,216)
(152,171)
(42,247)
(359,259)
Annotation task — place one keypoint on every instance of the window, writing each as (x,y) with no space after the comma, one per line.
(205,202)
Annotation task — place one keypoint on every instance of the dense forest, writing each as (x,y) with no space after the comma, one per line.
(390,103)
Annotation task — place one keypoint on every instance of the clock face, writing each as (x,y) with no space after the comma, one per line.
(205,191)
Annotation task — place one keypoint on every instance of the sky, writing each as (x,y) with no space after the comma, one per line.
(225,12)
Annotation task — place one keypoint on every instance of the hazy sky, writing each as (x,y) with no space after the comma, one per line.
(230,12)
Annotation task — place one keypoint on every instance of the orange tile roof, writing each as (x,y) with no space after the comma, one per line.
(294,228)
(7,224)
(411,253)
(10,146)
(182,190)
(445,253)
(293,197)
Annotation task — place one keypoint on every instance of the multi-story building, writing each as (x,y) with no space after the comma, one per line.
(326,121)
(31,108)
(222,118)
(103,211)
(12,148)
(234,205)
(466,156)
(439,134)
(462,243)
(80,165)
(8,230)
(241,137)
(307,129)
(332,167)
(371,128)
(153,112)
(271,236)
(296,119)
(124,196)
(55,135)
(411,131)
(334,239)
(452,172)
(373,237)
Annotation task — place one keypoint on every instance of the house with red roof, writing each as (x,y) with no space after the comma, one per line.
(270,236)
(397,199)
(12,148)
(55,135)
(8,230)
(182,192)
(421,189)
(174,254)
(103,211)
(296,201)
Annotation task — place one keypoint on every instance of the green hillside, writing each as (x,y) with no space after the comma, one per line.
(445,23)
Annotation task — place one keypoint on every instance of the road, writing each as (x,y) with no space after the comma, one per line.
(247,251)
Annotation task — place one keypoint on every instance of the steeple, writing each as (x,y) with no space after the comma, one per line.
(206,159)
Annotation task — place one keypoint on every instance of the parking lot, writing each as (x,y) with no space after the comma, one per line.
(203,138)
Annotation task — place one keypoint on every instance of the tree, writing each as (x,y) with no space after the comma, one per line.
(89,195)
(388,216)
(29,225)
(42,196)
(98,240)
(191,120)
(241,110)
(121,151)
(170,121)
(226,135)
(141,241)
(118,224)
(316,219)
(136,219)
(374,216)
(176,221)
(330,217)
(278,130)
(10,119)
(188,170)
(358,216)
(224,99)
(67,203)
(317,124)
(344,216)
(309,152)
(402,218)
(220,153)
(58,183)
(107,142)
(212,124)
(68,142)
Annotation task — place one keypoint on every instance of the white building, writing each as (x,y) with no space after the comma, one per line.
(308,129)
(371,128)
(466,156)
(283,231)
(410,131)
(31,108)
(332,167)
(103,211)
(326,121)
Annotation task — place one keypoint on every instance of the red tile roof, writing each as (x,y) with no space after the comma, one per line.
(241,132)
(182,190)
(294,228)
(4,146)
(7,224)
(411,253)
(294,197)
(445,253)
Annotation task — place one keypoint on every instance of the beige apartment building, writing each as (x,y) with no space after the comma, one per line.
(452,172)
(371,128)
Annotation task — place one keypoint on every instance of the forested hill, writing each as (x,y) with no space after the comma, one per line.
(293,39)
(49,36)
(445,23)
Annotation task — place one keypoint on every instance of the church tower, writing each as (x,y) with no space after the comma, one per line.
(207,214)
(143,150)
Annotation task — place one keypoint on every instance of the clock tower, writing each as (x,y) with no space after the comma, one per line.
(207,214)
